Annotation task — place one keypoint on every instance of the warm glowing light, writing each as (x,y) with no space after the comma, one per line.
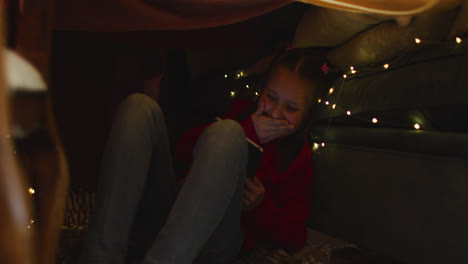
(348,112)
(459,40)
(417,126)
(334,106)
(345,76)
(417,40)
(31,190)
(247,86)
(256,93)
(374,120)
(327,103)
(352,68)
(386,65)
(331,90)
(323,144)
(225,75)
(238,75)
(353,71)
(241,73)
(319,100)
(29,227)
(233,93)
(32,222)
(316,145)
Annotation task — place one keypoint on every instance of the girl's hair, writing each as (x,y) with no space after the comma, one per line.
(308,65)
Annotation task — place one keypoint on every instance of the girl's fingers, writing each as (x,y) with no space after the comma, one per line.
(250,186)
(276,133)
(273,121)
(249,197)
(279,129)
(285,131)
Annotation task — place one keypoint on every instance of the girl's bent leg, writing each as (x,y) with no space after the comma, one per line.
(137,149)
(226,242)
(218,169)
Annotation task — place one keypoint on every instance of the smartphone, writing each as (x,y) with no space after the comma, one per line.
(254,159)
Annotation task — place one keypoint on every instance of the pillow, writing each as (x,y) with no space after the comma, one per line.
(389,40)
(323,27)
(461,23)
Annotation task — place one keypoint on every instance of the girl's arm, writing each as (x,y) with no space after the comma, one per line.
(286,225)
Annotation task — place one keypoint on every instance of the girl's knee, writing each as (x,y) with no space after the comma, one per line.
(228,129)
(139,100)
(140,105)
(225,137)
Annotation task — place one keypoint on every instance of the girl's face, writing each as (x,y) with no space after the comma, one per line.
(284,97)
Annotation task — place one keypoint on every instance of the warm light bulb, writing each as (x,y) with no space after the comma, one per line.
(327,103)
(241,73)
(31,190)
(233,93)
(323,144)
(331,90)
(417,40)
(417,126)
(319,100)
(353,71)
(256,93)
(316,145)
(352,67)
(334,106)
(345,76)
(459,40)
(247,86)
(386,65)
(29,227)
(238,75)
(32,221)
(348,112)
(374,120)
(225,75)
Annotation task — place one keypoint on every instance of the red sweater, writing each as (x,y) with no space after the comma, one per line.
(281,216)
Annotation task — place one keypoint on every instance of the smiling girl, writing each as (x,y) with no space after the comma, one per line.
(219,211)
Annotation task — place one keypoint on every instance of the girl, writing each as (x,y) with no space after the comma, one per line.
(219,210)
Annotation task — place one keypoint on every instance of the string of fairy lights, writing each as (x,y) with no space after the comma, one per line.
(249,87)
(31,190)
(331,99)
(330,102)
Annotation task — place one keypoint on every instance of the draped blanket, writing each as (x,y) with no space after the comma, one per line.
(145,15)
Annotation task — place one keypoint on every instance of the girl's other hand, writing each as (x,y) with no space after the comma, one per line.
(269,128)
(254,191)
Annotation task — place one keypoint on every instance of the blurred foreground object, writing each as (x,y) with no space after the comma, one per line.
(32,127)
(16,239)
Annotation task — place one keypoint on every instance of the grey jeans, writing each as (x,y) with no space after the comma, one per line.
(136,201)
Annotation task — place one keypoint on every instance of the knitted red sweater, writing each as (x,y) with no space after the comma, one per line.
(281,216)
